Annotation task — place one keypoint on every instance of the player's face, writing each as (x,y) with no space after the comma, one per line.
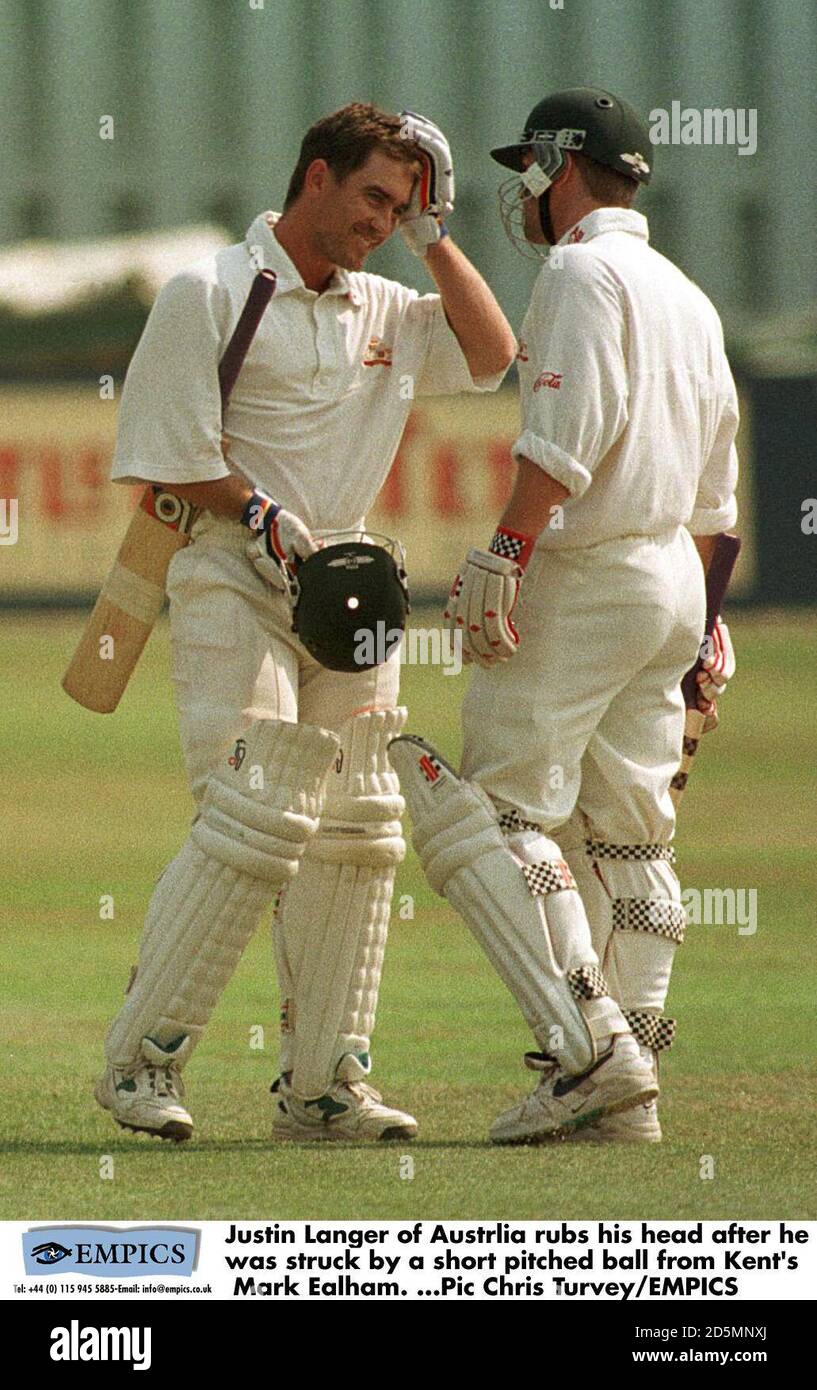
(360,212)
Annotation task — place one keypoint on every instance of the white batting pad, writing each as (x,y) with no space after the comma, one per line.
(333,920)
(259,811)
(633,901)
(525,913)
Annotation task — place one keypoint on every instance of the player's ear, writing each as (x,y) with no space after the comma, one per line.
(317,176)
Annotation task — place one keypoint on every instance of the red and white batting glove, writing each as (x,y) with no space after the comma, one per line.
(718,662)
(483,597)
(433,196)
(282,537)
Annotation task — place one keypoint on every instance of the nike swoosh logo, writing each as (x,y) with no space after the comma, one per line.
(566,1084)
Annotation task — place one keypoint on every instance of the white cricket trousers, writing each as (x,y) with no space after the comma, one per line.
(236,659)
(589,711)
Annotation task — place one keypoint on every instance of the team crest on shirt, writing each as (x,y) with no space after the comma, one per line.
(576,235)
(377,354)
(553,380)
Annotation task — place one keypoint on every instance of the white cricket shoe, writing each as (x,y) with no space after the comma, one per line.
(350,1110)
(637,1126)
(146,1095)
(619,1080)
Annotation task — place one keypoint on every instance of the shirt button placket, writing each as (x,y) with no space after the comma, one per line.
(323,349)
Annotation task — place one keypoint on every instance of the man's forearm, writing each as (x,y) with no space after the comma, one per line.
(224,497)
(482,330)
(535,494)
(705,546)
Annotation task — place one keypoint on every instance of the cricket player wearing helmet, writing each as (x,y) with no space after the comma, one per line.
(581,618)
(287,758)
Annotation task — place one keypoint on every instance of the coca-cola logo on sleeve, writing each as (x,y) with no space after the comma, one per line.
(553,380)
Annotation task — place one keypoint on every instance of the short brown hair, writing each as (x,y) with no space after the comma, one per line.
(346,138)
(606,185)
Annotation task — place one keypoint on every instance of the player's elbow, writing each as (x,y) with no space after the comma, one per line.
(505,350)
(493,357)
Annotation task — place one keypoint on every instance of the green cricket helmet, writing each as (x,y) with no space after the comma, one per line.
(582,120)
(350,601)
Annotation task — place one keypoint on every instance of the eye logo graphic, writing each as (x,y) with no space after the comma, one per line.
(51,1253)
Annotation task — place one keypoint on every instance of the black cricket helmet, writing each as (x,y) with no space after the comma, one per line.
(581,120)
(350,601)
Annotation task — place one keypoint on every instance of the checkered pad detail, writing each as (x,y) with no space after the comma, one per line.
(690,746)
(551,876)
(509,547)
(679,781)
(657,915)
(511,821)
(655,1031)
(587,982)
(600,849)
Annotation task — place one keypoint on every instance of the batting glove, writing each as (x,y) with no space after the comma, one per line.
(282,537)
(718,662)
(433,197)
(483,597)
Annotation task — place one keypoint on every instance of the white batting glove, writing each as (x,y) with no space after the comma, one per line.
(433,196)
(480,604)
(718,661)
(282,538)
(719,666)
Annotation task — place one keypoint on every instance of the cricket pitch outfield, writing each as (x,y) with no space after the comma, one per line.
(96,805)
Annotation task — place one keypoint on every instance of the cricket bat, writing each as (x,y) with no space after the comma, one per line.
(724,554)
(133,593)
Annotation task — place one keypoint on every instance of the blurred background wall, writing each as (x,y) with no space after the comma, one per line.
(207,101)
(210,99)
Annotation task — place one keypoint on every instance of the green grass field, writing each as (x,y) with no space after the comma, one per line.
(97,805)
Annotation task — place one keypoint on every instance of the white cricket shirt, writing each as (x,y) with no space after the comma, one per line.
(320,404)
(627,396)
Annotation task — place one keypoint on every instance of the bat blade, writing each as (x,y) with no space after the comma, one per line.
(132,595)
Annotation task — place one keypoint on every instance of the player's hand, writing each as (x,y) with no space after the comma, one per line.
(433,196)
(718,660)
(282,538)
(479,607)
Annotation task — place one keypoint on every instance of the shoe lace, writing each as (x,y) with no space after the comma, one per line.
(166,1082)
(363,1091)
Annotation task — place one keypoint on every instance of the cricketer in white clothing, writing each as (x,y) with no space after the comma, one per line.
(626,452)
(286,759)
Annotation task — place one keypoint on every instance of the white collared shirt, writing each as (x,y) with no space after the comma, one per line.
(627,396)
(320,404)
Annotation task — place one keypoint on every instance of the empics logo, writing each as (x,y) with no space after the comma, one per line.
(75,1343)
(51,1253)
(111,1253)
